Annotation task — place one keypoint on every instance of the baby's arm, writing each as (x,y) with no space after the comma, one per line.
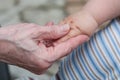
(93,14)
(103,10)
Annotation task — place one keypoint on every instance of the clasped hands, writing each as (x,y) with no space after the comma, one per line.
(36,48)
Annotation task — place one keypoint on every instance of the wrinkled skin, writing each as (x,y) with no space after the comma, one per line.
(28,49)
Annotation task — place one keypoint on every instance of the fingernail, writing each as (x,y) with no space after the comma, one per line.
(65,27)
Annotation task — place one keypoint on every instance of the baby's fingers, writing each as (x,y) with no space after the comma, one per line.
(71,34)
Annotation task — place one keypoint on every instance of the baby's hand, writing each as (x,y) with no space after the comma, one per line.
(80,23)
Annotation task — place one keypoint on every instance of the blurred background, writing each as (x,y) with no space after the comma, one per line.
(39,12)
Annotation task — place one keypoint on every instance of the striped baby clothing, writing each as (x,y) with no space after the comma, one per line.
(97,59)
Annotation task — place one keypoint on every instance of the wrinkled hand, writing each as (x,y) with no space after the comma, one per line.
(81,23)
(29,51)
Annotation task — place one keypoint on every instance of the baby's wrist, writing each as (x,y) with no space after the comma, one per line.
(87,22)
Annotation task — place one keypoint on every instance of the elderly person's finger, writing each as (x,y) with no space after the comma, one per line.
(66,47)
(53,32)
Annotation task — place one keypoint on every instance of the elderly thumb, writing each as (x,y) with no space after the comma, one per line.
(55,31)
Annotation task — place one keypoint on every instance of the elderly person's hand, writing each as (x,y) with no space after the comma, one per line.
(23,45)
(20,44)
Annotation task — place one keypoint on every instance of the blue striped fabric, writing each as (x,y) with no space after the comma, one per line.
(97,59)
